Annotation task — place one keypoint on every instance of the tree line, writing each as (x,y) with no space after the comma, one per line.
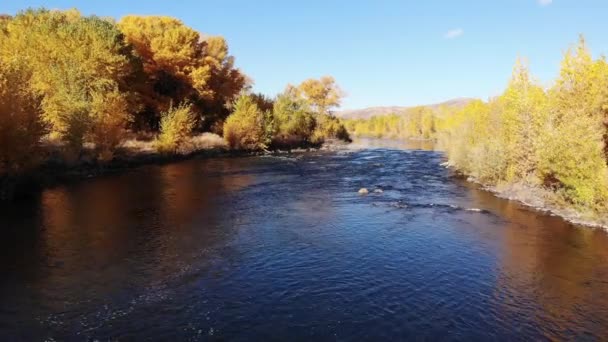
(88,82)
(415,123)
(553,139)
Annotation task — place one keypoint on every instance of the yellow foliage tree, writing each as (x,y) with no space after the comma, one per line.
(293,120)
(179,64)
(416,123)
(90,65)
(245,127)
(323,94)
(469,138)
(109,118)
(573,152)
(20,124)
(554,140)
(176,126)
(523,119)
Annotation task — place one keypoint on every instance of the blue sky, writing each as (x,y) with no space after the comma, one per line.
(381,52)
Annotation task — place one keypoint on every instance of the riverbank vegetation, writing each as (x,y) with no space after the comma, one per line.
(300,116)
(76,87)
(551,142)
(554,139)
(416,123)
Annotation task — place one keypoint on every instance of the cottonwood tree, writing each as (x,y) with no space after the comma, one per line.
(523,118)
(574,149)
(20,124)
(81,68)
(323,95)
(245,127)
(180,65)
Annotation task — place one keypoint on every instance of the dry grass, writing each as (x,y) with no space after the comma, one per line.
(147,144)
(205,141)
(134,145)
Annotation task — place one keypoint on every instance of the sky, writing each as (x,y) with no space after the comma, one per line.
(381,52)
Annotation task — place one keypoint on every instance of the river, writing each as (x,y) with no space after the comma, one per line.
(284,248)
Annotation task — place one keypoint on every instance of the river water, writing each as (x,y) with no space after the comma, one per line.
(284,248)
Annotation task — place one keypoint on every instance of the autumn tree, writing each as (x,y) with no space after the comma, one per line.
(329,127)
(468,136)
(176,126)
(419,122)
(245,128)
(182,65)
(86,89)
(264,102)
(379,126)
(553,139)
(523,119)
(226,82)
(416,123)
(323,94)
(573,152)
(20,124)
(294,120)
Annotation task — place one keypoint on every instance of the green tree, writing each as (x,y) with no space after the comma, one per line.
(294,121)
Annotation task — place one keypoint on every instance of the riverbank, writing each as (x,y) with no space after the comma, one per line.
(58,169)
(549,202)
(542,200)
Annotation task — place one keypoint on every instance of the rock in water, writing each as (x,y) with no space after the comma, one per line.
(378,191)
(363,191)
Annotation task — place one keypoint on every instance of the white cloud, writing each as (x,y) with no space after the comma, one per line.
(455,33)
(545,2)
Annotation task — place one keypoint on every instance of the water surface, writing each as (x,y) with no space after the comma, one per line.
(284,248)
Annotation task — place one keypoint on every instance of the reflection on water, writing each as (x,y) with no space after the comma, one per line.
(558,268)
(284,247)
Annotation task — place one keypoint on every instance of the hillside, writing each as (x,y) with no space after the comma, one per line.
(366,113)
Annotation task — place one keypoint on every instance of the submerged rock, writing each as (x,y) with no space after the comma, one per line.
(363,191)
(399,205)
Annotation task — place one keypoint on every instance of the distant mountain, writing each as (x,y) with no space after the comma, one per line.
(367,113)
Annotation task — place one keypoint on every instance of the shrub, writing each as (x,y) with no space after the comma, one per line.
(294,123)
(329,127)
(176,126)
(109,119)
(245,128)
